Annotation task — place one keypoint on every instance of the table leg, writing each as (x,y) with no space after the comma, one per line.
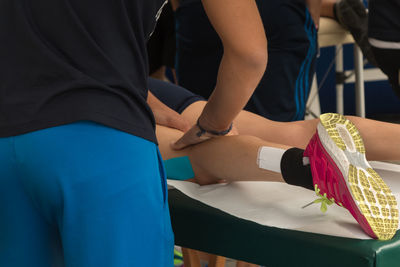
(359,85)
(339,81)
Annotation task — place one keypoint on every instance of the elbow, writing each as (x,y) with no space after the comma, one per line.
(257,60)
(253,59)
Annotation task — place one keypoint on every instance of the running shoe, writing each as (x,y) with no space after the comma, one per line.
(342,174)
(178,258)
(352,15)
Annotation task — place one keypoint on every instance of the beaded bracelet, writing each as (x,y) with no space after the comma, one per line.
(203,131)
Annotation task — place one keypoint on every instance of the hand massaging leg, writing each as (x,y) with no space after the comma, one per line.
(232,158)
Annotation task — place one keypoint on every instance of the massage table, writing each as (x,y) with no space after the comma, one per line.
(212,229)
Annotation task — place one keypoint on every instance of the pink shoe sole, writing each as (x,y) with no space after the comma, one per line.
(340,169)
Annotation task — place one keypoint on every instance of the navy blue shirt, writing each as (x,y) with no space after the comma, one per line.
(63,61)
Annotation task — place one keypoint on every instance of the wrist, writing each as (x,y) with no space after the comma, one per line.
(202,131)
(213,118)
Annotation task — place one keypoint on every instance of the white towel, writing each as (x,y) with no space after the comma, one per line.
(279,205)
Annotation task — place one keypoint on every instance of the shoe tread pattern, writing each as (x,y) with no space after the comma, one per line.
(373,197)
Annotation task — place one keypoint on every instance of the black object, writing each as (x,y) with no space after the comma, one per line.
(293,170)
(67,61)
(352,15)
(203,131)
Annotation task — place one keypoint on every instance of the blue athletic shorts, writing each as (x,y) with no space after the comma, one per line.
(174,96)
(83,195)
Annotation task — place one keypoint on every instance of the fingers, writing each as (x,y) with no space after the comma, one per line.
(189,138)
(178,122)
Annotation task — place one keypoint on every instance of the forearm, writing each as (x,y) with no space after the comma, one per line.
(165,115)
(240,28)
(237,79)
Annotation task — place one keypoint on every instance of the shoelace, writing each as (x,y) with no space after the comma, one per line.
(178,258)
(323,199)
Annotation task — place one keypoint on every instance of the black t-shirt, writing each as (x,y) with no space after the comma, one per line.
(183,3)
(161,47)
(63,61)
(384,20)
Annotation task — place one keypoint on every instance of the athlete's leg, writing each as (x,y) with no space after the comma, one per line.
(327,7)
(380,138)
(337,157)
(231,158)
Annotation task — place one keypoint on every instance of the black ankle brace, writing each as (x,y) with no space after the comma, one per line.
(294,171)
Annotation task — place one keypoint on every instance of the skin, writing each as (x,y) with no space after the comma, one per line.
(241,68)
(327,8)
(166,116)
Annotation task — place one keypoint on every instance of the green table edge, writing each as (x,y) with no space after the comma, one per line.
(199,226)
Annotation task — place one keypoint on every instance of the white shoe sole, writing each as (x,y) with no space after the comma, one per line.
(374,199)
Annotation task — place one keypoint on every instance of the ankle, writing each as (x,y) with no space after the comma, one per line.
(295,170)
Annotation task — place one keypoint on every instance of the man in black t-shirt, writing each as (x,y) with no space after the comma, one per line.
(81,180)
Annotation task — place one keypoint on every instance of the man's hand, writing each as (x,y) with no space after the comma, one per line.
(190,137)
(166,116)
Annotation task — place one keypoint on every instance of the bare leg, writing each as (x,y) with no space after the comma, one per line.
(381,139)
(231,158)
(327,8)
